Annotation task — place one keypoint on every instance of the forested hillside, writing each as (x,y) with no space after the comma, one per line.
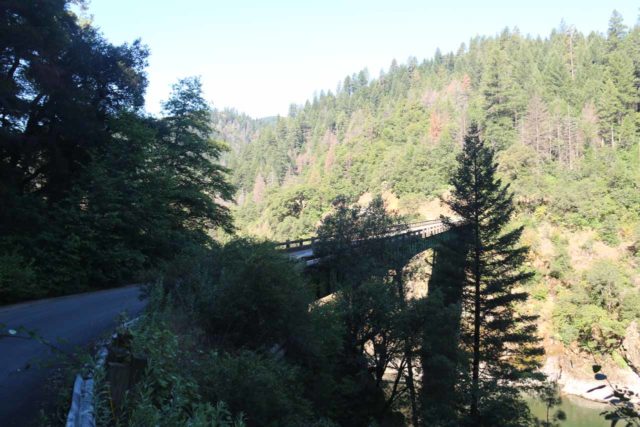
(562,113)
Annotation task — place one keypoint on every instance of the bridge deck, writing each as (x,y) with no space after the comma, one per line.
(302,249)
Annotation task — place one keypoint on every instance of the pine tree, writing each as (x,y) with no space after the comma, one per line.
(535,131)
(499,91)
(500,343)
(616,31)
(191,158)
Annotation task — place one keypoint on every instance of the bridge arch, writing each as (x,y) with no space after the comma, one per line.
(402,244)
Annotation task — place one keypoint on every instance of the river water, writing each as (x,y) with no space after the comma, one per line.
(580,412)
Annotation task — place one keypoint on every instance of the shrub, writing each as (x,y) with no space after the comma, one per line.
(267,390)
(258,299)
(560,265)
(17,278)
(605,282)
(609,231)
(595,311)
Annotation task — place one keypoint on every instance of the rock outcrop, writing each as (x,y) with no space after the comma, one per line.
(631,347)
(572,369)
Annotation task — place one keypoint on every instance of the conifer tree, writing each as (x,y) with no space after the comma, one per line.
(499,90)
(190,157)
(500,345)
(616,31)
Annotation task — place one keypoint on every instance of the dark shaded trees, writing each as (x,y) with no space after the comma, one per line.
(92,191)
(259,300)
(500,344)
(442,360)
(61,83)
(198,186)
(63,92)
(370,303)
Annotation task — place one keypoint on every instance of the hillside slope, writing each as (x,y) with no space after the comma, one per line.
(563,114)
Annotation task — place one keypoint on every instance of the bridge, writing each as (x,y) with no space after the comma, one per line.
(303,249)
(393,250)
(328,268)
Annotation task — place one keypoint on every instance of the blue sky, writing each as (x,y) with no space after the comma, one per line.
(260,56)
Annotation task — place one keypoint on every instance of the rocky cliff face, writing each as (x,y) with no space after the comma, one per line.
(572,368)
(631,347)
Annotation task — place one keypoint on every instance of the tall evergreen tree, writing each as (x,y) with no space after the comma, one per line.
(500,344)
(616,31)
(498,91)
(190,158)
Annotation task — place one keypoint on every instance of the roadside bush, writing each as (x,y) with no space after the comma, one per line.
(258,299)
(168,393)
(267,390)
(17,278)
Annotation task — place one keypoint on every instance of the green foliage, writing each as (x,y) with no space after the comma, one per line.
(14,269)
(539,291)
(440,355)
(371,306)
(259,299)
(596,310)
(235,324)
(352,223)
(604,283)
(94,192)
(52,127)
(588,324)
(560,266)
(609,231)
(561,110)
(493,265)
(189,157)
(168,394)
(266,390)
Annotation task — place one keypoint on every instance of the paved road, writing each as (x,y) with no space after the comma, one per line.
(76,319)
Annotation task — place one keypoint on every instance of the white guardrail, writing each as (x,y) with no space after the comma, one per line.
(82,411)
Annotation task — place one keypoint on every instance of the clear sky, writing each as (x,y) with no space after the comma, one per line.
(259,56)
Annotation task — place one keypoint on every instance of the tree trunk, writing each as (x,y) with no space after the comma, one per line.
(394,390)
(613,141)
(412,388)
(476,314)
(408,353)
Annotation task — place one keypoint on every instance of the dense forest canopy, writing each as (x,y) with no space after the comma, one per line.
(93,192)
(555,108)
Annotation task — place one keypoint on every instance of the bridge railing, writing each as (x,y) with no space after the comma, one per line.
(405,229)
(296,244)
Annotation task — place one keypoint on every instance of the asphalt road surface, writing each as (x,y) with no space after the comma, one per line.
(78,320)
